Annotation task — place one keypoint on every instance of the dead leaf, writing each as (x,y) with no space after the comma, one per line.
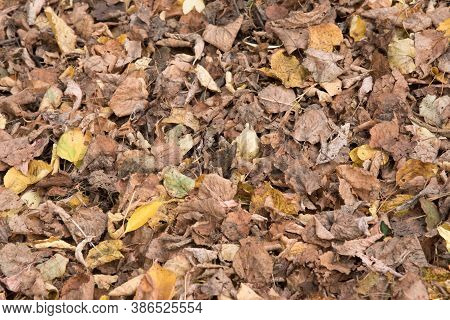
(357,28)
(287,69)
(65,36)
(401,54)
(53,268)
(247,144)
(177,184)
(205,79)
(72,146)
(268,197)
(444,26)
(312,126)
(157,284)
(130,97)
(429,45)
(222,37)
(144,214)
(364,184)
(276,99)
(322,65)
(415,168)
(444,232)
(128,288)
(17,182)
(324,37)
(106,251)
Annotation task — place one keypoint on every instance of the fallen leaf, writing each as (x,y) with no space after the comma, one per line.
(312,126)
(65,36)
(401,54)
(432,108)
(246,293)
(322,65)
(32,199)
(223,37)
(268,197)
(247,144)
(130,96)
(429,45)
(177,185)
(104,281)
(444,26)
(396,201)
(366,152)
(363,183)
(143,214)
(444,232)
(287,69)
(189,5)
(182,116)
(292,39)
(126,289)
(17,182)
(357,28)
(157,284)
(72,146)
(276,99)
(415,168)
(325,36)
(433,217)
(106,251)
(53,268)
(205,79)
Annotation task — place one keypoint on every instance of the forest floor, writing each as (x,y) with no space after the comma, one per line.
(224,149)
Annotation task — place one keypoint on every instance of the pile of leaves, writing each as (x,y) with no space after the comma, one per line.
(227,149)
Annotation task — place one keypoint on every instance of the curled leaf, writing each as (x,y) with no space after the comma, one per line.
(17,182)
(205,79)
(366,152)
(444,232)
(177,184)
(415,168)
(64,35)
(247,144)
(401,55)
(189,5)
(157,284)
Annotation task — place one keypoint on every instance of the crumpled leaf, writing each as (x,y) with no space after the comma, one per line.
(223,37)
(177,184)
(205,79)
(287,69)
(322,65)
(17,182)
(444,232)
(401,54)
(444,26)
(366,152)
(51,99)
(395,202)
(247,144)
(106,251)
(182,116)
(429,45)
(52,242)
(129,97)
(357,28)
(128,288)
(64,35)
(415,168)
(432,109)
(324,36)
(189,5)
(312,126)
(268,197)
(143,214)
(72,146)
(157,284)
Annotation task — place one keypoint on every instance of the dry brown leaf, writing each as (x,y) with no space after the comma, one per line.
(415,168)
(322,65)
(223,37)
(276,99)
(312,126)
(130,97)
(205,79)
(363,183)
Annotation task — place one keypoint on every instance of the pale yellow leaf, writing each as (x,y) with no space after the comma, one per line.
(444,232)
(357,28)
(401,55)
(64,35)
(444,26)
(17,182)
(189,5)
(247,144)
(126,289)
(285,68)
(205,79)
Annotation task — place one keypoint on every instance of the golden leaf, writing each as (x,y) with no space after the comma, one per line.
(444,232)
(268,197)
(64,35)
(401,55)
(72,146)
(393,203)
(287,69)
(415,168)
(366,152)
(17,182)
(52,242)
(444,26)
(143,214)
(157,284)
(128,288)
(106,251)
(324,36)
(357,28)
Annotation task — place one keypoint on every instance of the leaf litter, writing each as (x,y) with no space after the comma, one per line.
(205,150)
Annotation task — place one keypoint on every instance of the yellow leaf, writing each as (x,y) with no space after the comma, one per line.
(143,214)
(189,5)
(415,168)
(444,26)
(78,199)
(401,55)
(357,28)
(393,203)
(157,284)
(444,232)
(440,76)
(324,36)
(366,152)
(106,251)
(32,199)
(287,69)
(52,242)
(268,197)
(17,182)
(64,35)
(72,146)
